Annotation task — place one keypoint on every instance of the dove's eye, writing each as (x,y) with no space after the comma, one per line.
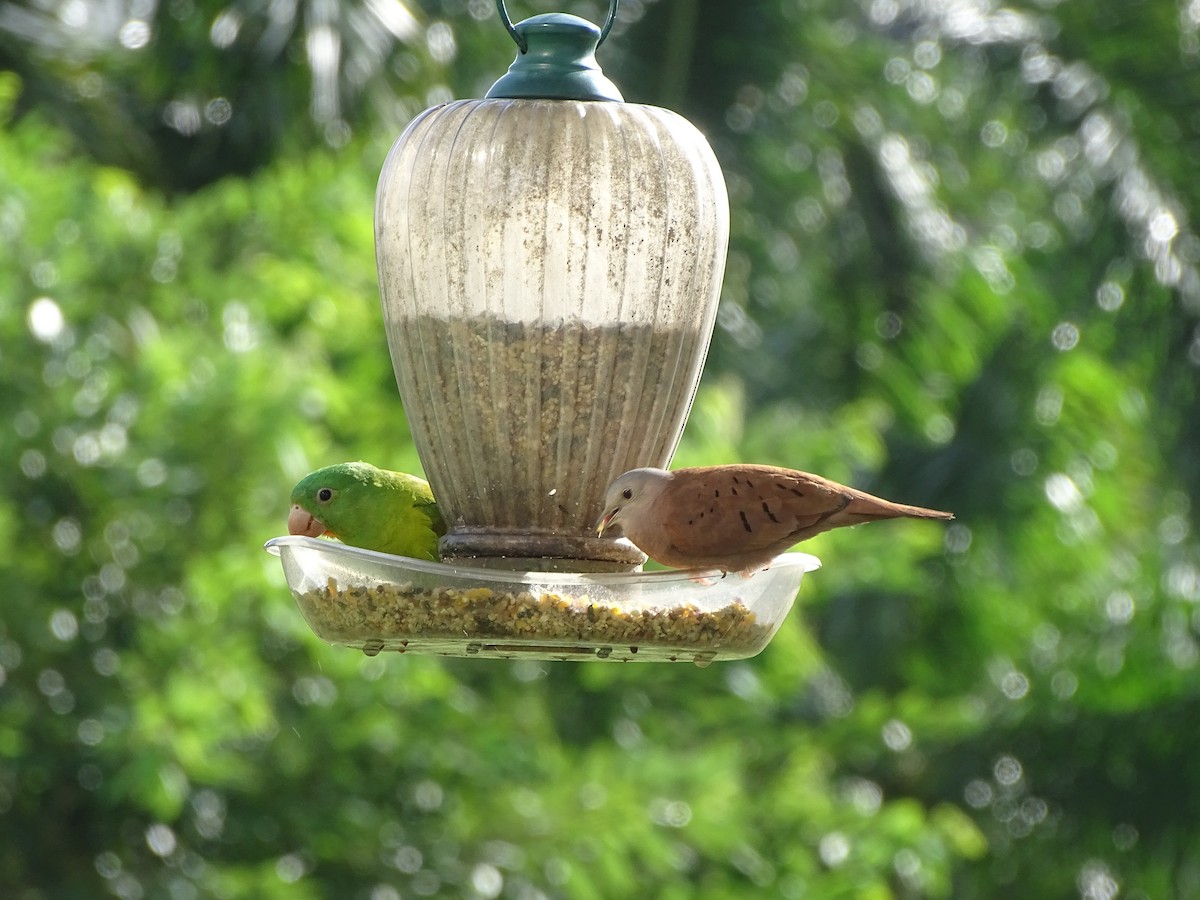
(627,494)
(325,495)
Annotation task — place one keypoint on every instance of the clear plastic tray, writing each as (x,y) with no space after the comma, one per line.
(375,601)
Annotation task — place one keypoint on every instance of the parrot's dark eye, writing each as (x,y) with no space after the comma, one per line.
(627,494)
(325,495)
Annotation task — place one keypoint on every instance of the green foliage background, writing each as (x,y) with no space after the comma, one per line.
(963,273)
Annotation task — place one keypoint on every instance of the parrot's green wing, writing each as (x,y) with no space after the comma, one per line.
(422,498)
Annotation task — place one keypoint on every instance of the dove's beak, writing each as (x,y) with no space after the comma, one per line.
(301,521)
(605,521)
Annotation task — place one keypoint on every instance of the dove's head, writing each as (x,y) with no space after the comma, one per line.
(630,500)
(323,499)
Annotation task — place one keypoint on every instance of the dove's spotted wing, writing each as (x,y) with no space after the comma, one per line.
(726,512)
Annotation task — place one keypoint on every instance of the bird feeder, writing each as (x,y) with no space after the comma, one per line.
(550,260)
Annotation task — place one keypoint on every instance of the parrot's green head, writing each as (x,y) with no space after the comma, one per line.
(330,499)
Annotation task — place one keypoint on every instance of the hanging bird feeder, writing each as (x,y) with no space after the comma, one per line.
(550,260)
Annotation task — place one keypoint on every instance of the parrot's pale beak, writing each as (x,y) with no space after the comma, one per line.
(605,521)
(301,521)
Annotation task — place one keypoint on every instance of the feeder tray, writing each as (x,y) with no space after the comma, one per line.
(376,601)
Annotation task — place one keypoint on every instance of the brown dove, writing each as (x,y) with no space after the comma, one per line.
(736,518)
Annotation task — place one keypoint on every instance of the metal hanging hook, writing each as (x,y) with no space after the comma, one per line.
(523,46)
(608,23)
(508,26)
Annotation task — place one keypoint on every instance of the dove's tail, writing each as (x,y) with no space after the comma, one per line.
(920,512)
(866,508)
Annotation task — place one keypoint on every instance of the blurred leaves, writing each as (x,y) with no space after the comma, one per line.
(185,93)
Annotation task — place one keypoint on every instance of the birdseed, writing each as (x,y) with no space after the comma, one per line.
(531,421)
(388,616)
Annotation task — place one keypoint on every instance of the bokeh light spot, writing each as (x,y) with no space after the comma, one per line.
(45,319)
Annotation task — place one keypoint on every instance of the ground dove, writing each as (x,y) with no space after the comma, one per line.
(735,518)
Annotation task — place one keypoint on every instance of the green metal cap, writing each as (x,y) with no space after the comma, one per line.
(557,61)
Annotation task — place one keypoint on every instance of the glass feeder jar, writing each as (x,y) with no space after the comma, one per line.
(550,260)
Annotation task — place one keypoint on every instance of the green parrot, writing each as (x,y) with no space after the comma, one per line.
(368,507)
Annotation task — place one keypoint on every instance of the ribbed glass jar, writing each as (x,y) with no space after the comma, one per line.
(550,271)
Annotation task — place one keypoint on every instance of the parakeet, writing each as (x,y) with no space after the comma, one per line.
(368,507)
(737,517)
